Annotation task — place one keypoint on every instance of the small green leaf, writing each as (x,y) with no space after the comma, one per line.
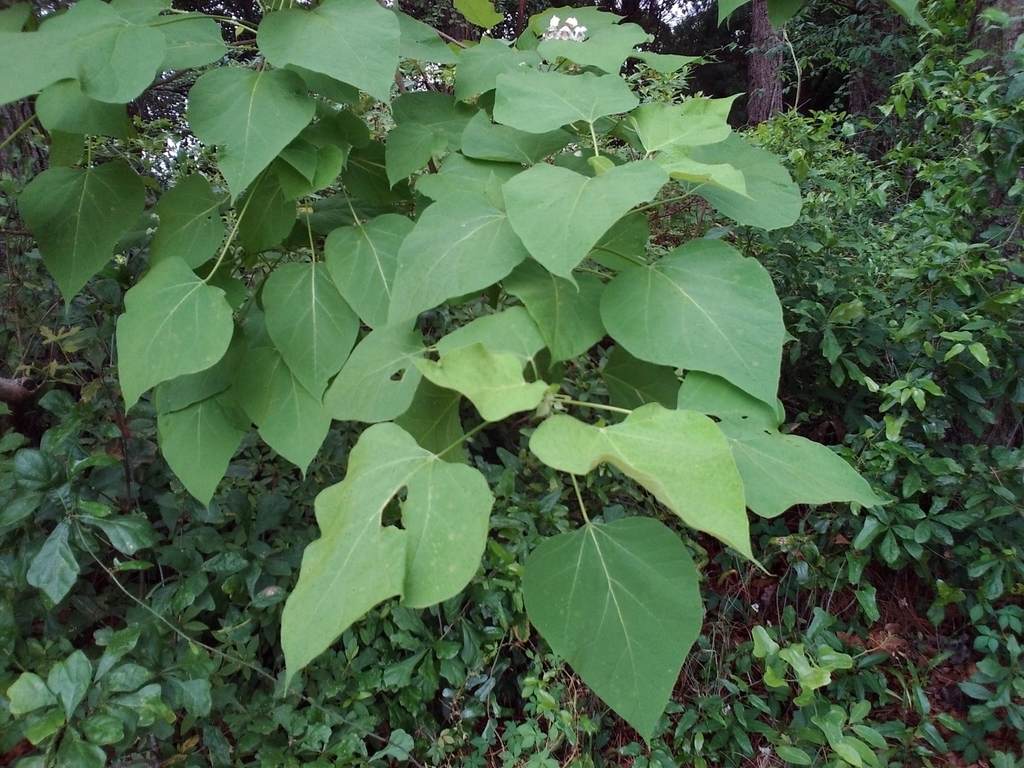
(191,228)
(703,307)
(793,755)
(512,330)
(977,349)
(69,679)
(632,382)
(362,261)
(194,41)
(74,751)
(679,456)
(624,244)
(439,112)
(309,322)
(103,729)
(410,147)
(266,217)
(355,41)
(28,693)
(764,645)
(358,562)
(538,102)
(55,569)
(479,12)
(63,107)
(632,585)
(463,178)
(250,115)
(567,315)
(78,217)
(480,66)
(560,215)
(127,533)
(173,324)
(291,420)
(433,421)
(493,382)
(379,380)
(459,245)
(694,122)
(485,140)
(44,726)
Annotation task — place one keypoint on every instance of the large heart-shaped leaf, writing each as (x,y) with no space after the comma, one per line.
(379,379)
(192,42)
(606,49)
(357,562)
(702,307)
(267,215)
(64,107)
(410,147)
(250,115)
(458,245)
(679,456)
(174,323)
(291,420)
(538,102)
(439,112)
(460,177)
(772,199)
(479,12)
(355,41)
(421,42)
(191,228)
(433,421)
(199,440)
(567,315)
(512,330)
(621,603)
(362,261)
(309,322)
(560,215)
(695,122)
(78,216)
(494,383)
(485,140)
(632,383)
(778,470)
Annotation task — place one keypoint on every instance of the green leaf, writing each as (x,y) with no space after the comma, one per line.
(362,261)
(459,245)
(251,116)
(560,215)
(366,176)
(781,11)
(567,315)
(63,107)
(127,533)
(606,49)
(177,393)
(624,244)
(420,42)
(702,307)
(538,102)
(695,122)
(73,751)
(290,419)
(354,41)
(357,562)
(632,382)
(194,41)
(589,17)
(41,728)
(667,63)
(772,199)
(191,228)
(727,7)
(78,216)
(480,66)
(309,322)
(778,470)
(479,12)
(70,679)
(679,165)
(55,569)
(103,729)
(512,331)
(267,217)
(173,324)
(679,456)
(908,10)
(28,693)
(621,603)
(439,112)
(379,380)
(199,440)
(433,421)
(410,147)
(14,18)
(793,755)
(462,178)
(493,382)
(485,140)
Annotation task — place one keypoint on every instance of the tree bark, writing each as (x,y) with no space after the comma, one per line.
(764,82)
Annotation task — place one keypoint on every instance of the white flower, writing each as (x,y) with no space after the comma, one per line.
(571,21)
(554,23)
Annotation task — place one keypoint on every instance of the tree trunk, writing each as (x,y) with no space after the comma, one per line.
(764,83)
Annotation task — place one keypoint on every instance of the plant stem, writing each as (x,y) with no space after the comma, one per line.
(579,498)
(465,437)
(598,406)
(17,130)
(230,239)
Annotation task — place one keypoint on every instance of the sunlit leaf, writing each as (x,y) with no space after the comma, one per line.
(357,561)
(679,456)
(538,102)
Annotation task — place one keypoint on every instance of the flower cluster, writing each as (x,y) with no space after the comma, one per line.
(571,30)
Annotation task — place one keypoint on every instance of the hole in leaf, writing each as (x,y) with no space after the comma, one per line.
(398,375)
(392,514)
